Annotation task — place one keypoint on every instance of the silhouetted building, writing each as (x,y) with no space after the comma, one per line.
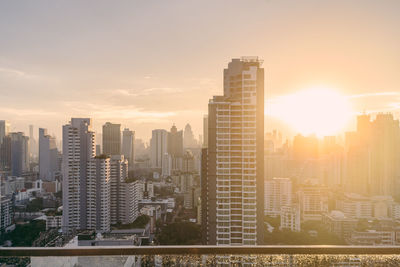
(128,147)
(48,156)
(158,147)
(111,139)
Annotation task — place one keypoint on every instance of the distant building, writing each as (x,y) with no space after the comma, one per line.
(340,225)
(373,154)
(205,131)
(78,151)
(19,153)
(290,218)
(175,142)
(53,222)
(48,156)
(111,139)
(5,155)
(158,147)
(33,145)
(128,147)
(4,129)
(6,213)
(188,137)
(278,193)
(374,238)
(98,216)
(125,193)
(313,202)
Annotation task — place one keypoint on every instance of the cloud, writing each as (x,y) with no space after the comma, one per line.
(374,94)
(21,112)
(107,111)
(16,73)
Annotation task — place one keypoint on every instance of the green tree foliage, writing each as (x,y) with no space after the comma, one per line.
(181,233)
(140,222)
(25,234)
(287,237)
(35,205)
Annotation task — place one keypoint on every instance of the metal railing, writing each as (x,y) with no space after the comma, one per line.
(197,250)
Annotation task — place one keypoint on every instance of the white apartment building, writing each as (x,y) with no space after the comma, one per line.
(278,193)
(98,212)
(125,194)
(158,147)
(235,180)
(78,150)
(313,202)
(290,218)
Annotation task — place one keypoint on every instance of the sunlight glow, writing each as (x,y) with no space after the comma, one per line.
(320,110)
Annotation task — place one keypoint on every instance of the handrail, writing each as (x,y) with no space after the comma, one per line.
(197,250)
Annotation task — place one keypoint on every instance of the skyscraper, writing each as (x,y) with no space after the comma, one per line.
(4,129)
(111,139)
(33,146)
(233,172)
(78,150)
(188,138)
(373,156)
(205,131)
(124,192)
(48,156)
(128,147)
(158,147)
(98,209)
(19,153)
(175,142)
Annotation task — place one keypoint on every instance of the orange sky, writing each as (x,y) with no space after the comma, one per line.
(148,64)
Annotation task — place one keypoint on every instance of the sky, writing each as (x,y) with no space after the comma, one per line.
(149,64)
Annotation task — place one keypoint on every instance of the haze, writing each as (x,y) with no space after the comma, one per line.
(112,61)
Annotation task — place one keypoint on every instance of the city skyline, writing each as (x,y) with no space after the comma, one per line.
(142,85)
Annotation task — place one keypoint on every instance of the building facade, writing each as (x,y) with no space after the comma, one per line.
(158,147)
(128,147)
(234,180)
(48,156)
(111,139)
(78,150)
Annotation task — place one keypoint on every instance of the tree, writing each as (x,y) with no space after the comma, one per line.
(181,233)
(25,234)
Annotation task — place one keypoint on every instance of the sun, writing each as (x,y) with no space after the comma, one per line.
(319,110)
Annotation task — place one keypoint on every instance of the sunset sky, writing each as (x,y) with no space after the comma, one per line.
(148,64)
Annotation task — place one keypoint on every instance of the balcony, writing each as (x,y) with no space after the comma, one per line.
(202,256)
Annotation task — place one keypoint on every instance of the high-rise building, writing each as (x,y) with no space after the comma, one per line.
(234,179)
(175,142)
(111,139)
(125,193)
(78,150)
(278,193)
(128,147)
(373,154)
(188,137)
(4,129)
(158,147)
(48,156)
(6,212)
(98,206)
(205,131)
(175,151)
(19,153)
(33,146)
(5,154)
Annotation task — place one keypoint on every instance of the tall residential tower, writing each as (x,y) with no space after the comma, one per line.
(232,169)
